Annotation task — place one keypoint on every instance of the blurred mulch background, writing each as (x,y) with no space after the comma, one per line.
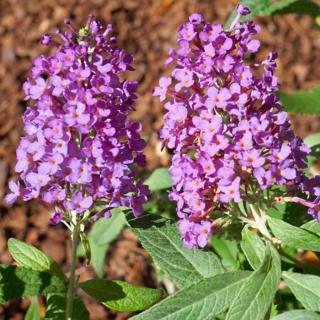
(146,28)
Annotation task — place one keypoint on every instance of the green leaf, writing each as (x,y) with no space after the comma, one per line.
(30,257)
(228,251)
(259,8)
(301,7)
(298,315)
(203,300)
(120,295)
(252,247)
(280,6)
(274,309)
(33,312)
(302,102)
(163,242)
(55,309)
(102,233)
(159,180)
(293,236)
(305,287)
(84,248)
(20,282)
(255,297)
(105,230)
(98,256)
(312,140)
(312,226)
(278,211)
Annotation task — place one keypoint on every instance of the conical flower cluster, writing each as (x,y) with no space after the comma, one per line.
(80,150)
(230,137)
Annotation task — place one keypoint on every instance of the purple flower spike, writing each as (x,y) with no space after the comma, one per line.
(80,147)
(225,126)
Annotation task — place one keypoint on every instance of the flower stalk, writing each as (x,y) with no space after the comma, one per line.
(72,279)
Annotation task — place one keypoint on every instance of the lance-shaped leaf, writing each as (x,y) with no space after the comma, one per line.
(305,287)
(20,282)
(253,248)
(302,102)
(120,295)
(312,140)
(98,256)
(228,251)
(302,7)
(162,240)
(159,180)
(255,297)
(33,312)
(312,226)
(105,230)
(298,315)
(201,301)
(55,308)
(293,236)
(30,257)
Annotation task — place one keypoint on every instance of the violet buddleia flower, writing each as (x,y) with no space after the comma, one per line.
(14,192)
(225,126)
(56,218)
(80,149)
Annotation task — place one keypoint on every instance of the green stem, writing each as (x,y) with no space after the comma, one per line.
(72,278)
